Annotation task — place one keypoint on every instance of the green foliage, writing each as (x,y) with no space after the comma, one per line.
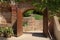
(28,13)
(6,31)
(18,0)
(1,31)
(9,30)
(6,0)
(25,24)
(38,17)
(52,5)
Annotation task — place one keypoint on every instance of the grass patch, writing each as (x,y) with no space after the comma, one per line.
(38,17)
(28,13)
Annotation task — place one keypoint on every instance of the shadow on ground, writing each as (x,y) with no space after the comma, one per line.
(2,38)
(39,35)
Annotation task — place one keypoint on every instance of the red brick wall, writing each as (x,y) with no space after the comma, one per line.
(14,15)
(8,14)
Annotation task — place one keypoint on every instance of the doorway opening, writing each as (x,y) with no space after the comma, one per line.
(32,21)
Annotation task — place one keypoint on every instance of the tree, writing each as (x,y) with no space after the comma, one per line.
(52,5)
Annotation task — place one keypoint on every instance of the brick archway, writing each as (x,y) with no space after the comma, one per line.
(20,10)
(20,18)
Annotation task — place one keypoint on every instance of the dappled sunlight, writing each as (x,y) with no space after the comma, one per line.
(2,20)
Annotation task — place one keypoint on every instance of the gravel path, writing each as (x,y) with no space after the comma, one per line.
(25,37)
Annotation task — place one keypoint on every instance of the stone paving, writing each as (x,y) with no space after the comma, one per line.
(25,37)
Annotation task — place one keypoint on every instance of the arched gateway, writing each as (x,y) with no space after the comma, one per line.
(20,9)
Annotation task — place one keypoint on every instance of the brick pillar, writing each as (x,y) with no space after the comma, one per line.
(14,18)
(45,22)
(14,14)
(19,22)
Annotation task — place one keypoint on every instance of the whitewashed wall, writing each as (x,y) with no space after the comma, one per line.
(56,28)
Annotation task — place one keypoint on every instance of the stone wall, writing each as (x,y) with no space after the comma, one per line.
(5,18)
(14,14)
(56,28)
(32,24)
(7,14)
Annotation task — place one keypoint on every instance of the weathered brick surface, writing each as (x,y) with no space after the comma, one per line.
(7,15)
(4,13)
(2,20)
(5,19)
(33,24)
(14,15)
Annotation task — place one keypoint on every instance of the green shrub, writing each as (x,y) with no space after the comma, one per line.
(25,24)
(1,31)
(6,31)
(28,13)
(38,17)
